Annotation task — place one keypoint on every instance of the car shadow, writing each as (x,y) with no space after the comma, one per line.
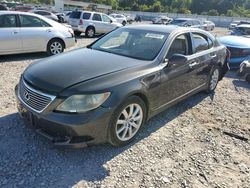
(237,81)
(66,167)
(22,57)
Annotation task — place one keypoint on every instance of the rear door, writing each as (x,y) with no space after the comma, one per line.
(205,55)
(10,39)
(35,33)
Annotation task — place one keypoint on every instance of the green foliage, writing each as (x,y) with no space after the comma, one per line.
(206,7)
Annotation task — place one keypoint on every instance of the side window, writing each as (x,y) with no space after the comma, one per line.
(86,16)
(31,21)
(7,21)
(178,46)
(106,18)
(200,43)
(97,17)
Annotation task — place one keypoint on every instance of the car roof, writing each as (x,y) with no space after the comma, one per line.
(164,28)
(17,12)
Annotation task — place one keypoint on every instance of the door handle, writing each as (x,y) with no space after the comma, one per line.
(213,56)
(48,30)
(193,64)
(14,32)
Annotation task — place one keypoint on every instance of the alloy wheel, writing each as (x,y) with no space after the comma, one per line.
(129,122)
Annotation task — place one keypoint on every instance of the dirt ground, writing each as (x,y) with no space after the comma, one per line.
(203,141)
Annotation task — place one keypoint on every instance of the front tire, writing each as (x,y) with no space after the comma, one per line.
(127,121)
(213,79)
(55,46)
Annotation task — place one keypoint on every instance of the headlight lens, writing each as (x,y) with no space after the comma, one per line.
(82,103)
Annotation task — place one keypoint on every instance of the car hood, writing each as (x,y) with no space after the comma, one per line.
(59,72)
(235,41)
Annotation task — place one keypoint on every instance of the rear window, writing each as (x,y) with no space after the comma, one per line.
(86,16)
(75,15)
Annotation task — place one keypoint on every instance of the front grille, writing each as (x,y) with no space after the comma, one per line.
(35,99)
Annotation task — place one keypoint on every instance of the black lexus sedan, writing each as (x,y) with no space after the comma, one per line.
(108,90)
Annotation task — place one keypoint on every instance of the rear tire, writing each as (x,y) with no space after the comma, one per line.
(124,23)
(127,121)
(213,80)
(90,32)
(55,46)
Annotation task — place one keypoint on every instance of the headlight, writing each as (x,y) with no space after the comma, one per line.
(82,103)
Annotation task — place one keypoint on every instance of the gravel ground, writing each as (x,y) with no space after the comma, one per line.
(185,146)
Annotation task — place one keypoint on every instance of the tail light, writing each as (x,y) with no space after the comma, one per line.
(81,22)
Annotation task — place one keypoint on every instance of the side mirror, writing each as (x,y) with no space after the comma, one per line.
(177,60)
(111,21)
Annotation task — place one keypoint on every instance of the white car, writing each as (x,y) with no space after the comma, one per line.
(233,25)
(162,20)
(120,18)
(27,32)
(46,14)
(208,25)
(91,23)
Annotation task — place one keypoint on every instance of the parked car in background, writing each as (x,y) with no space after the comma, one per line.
(243,29)
(61,17)
(23,8)
(46,14)
(66,17)
(130,18)
(91,23)
(138,18)
(107,91)
(120,18)
(239,48)
(187,22)
(162,20)
(27,32)
(244,70)
(208,25)
(233,24)
(3,7)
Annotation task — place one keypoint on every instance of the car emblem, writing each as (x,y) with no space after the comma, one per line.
(26,95)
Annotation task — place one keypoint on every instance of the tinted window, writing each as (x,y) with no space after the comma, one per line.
(75,15)
(138,44)
(200,43)
(7,21)
(86,16)
(105,18)
(31,21)
(97,17)
(178,46)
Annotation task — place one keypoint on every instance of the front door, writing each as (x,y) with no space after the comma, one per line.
(177,78)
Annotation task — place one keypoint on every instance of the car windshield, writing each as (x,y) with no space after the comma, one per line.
(178,22)
(134,43)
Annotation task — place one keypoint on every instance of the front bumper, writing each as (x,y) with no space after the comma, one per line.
(67,130)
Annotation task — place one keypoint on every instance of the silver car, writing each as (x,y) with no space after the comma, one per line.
(91,23)
(22,32)
(46,14)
